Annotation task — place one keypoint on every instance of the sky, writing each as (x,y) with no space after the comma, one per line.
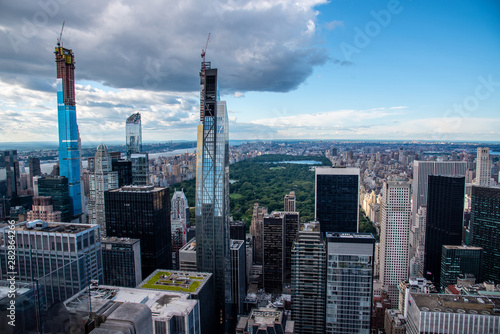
(311,69)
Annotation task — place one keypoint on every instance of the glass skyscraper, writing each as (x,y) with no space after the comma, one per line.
(69,148)
(133,129)
(212,193)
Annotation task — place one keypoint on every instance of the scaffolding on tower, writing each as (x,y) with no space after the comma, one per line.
(202,81)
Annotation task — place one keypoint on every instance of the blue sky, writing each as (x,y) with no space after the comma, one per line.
(422,70)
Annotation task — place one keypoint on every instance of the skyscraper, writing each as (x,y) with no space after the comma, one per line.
(9,173)
(290,201)
(101,180)
(142,213)
(140,169)
(337,199)
(34,166)
(483,167)
(485,228)
(212,192)
(256,231)
(308,280)
(58,189)
(456,260)
(133,130)
(121,261)
(349,282)
(69,148)
(445,214)
(394,236)
(273,261)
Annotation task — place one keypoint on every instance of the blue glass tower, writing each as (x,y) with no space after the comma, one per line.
(212,194)
(69,148)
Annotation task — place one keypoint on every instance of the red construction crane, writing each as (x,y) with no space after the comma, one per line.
(202,81)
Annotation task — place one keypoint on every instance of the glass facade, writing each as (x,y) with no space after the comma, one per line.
(485,228)
(337,199)
(133,129)
(212,194)
(445,210)
(349,282)
(69,146)
(58,189)
(456,260)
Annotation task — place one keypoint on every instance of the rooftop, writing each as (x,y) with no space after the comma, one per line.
(485,305)
(163,304)
(235,244)
(190,246)
(180,281)
(462,247)
(120,241)
(149,188)
(42,226)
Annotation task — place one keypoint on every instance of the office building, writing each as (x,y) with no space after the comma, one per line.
(394,236)
(124,170)
(60,257)
(187,256)
(179,237)
(483,167)
(291,224)
(445,214)
(485,229)
(212,192)
(9,173)
(58,189)
(421,172)
(290,202)
(121,261)
(196,285)
(35,170)
(265,320)
(460,260)
(140,169)
(308,280)
(133,129)
(142,213)
(395,322)
(273,260)
(237,230)
(238,274)
(43,209)
(417,242)
(69,141)
(337,199)
(349,282)
(131,310)
(256,230)
(23,299)
(180,206)
(101,180)
(439,313)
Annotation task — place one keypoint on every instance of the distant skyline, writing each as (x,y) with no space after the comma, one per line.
(316,69)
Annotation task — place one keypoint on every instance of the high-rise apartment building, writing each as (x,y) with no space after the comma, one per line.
(337,199)
(460,260)
(62,258)
(444,223)
(485,228)
(290,201)
(142,213)
(35,170)
(179,206)
(349,282)
(58,189)
(69,142)
(133,129)
(483,167)
(121,261)
(394,236)
(101,180)
(256,230)
(212,192)
(308,280)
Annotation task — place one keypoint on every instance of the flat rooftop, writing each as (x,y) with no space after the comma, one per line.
(349,235)
(118,241)
(235,244)
(163,304)
(266,316)
(45,227)
(462,247)
(177,281)
(136,189)
(485,305)
(190,246)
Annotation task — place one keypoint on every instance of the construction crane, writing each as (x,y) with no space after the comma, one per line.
(202,81)
(60,35)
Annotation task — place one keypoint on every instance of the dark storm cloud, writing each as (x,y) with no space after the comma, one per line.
(257,45)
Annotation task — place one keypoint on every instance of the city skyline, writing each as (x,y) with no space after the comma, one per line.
(391,70)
